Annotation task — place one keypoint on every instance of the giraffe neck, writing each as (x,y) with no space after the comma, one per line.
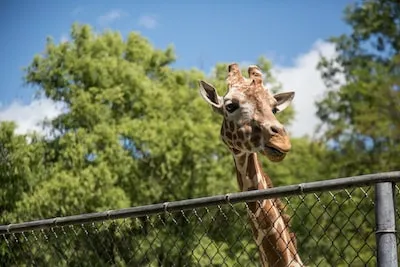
(249,173)
(270,231)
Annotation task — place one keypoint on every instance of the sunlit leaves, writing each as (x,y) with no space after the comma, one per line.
(361,117)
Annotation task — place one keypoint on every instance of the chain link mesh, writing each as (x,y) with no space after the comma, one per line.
(333,228)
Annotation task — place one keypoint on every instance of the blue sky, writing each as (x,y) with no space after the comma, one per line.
(203,32)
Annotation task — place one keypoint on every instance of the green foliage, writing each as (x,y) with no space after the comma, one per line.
(335,228)
(303,164)
(135,131)
(20,168)
(362,117)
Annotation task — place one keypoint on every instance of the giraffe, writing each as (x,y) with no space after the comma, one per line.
(250,126)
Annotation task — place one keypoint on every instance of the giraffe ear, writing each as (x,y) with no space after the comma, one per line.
(283,100)
(208,92)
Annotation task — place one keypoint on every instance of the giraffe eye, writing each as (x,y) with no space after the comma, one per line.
(274,110)
(231,107)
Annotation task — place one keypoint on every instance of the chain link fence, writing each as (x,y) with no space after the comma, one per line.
(334,223)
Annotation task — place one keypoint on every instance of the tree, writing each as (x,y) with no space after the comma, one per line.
(362,116)
(134,132)
(20,167)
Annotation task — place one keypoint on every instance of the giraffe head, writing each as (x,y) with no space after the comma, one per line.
(249,110)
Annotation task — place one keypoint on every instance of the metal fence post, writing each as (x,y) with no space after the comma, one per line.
(385,225)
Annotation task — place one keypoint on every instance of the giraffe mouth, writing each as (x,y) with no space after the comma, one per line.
(273,153)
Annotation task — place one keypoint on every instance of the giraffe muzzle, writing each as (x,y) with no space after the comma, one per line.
(273,154)
(276,139)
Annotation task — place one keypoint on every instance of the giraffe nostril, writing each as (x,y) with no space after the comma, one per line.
(275,129)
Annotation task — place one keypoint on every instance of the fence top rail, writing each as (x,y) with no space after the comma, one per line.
(133,212)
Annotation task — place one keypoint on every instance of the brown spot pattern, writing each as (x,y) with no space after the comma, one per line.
(248,146)
(231,126)
(235,136)
(255,139)
(240,134)
(247,136)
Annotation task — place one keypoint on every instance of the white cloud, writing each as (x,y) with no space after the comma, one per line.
(148,21)
(302,77)
(306,81)
(28,117)
(111,16)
